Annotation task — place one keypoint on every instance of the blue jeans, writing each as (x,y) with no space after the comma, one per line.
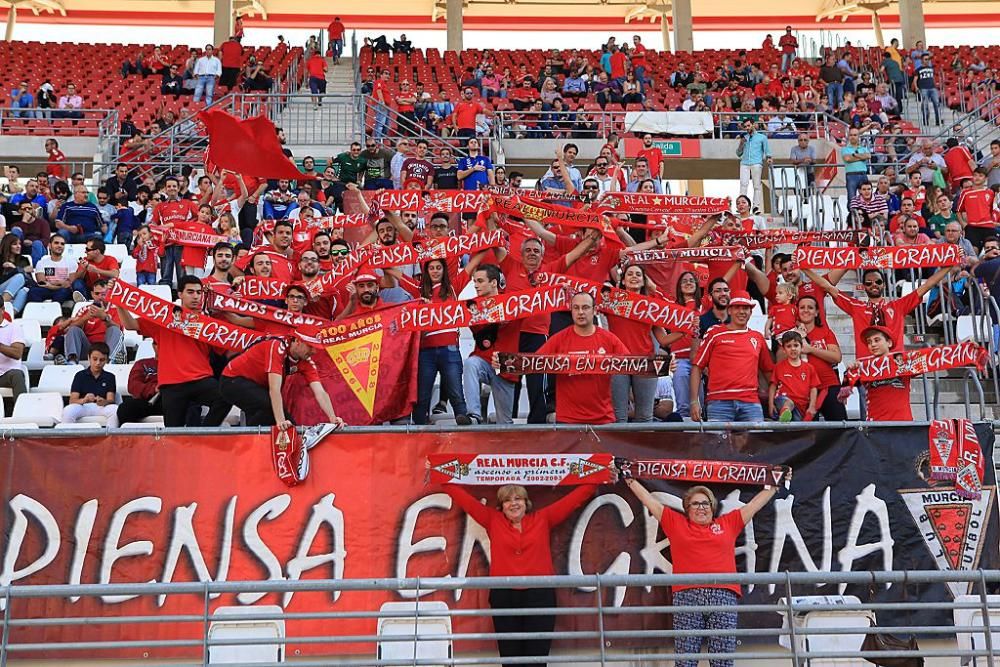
(205,84)
(446,360)
(15,287)
(786,61)
(928,97)
(171,265)
(835,93)
(80,285)
(643,391)
(477,372)
(78,238)
(682,388)
(145,278)
(854,181)
(37,247)
(38,294)
(381,120)
(338,48)
(734,411)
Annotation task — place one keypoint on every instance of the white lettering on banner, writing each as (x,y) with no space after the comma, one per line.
(325,526)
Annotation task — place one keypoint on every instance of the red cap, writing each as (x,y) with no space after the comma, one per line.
(882,330)
(741,299)
(365,276)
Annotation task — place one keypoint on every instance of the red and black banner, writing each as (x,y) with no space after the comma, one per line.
(515,363)
(927,256)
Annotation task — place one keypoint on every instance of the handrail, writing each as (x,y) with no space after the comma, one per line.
(404,127)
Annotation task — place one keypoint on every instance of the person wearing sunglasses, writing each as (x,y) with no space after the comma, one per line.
(703,543)
(878,310)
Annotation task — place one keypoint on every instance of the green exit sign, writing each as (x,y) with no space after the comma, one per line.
(669,148)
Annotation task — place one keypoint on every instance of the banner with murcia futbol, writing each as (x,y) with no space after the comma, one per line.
(183,508)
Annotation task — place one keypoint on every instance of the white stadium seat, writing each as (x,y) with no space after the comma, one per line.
(145,349)
(127,270)
(121,373)
(57,379)
(41,408)
(162,291)
(117,250)
(44,312)
(82,424)
(32,331)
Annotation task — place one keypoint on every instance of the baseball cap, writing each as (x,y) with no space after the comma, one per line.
(365,277)
(882,330)
(741,299)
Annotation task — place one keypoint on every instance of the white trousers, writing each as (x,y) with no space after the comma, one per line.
(748,172)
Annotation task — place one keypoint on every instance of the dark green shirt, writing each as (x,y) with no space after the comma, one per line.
(349,168)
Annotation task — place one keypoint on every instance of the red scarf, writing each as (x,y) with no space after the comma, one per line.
(515,363)
(918,362)
(955,455)
(931,255)
(705,472)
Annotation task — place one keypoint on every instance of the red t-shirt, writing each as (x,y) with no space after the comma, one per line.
(784,317)
(172,212)
(465,114)
(618,62)
(638,56)
(801,290)
(231,53)
(732,358)
(889,400)
(595,265)
(269,357)
(182,359)
(788,43)
(518,280)
(977,204)
(383,86)
(95,328)
(654,156)
(584,399)
(892,316)
(336,30)
(316,66)
(681,348)
(795,382)
(107,263)
(919,196)
(524,552)
(636,336)
(418,169)
(957,160)
(696,549)
(56,165)
(823,338)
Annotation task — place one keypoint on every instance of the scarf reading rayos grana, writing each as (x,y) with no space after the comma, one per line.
(705,472)
(769,238)
(166,315)
(524,469)
(232,303)
(927,256)
(955,455)
(517,363)
(918,362)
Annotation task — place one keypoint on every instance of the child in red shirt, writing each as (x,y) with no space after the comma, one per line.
(794,383)
(889,399)
(145,257)
(783,314)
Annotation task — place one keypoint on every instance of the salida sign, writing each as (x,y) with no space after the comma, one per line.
(168,509)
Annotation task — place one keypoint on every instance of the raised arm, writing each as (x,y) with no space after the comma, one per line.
(823,283)
(560,510)
(757,503)
(654,506)
(542,233)
(469,504)
(938,276)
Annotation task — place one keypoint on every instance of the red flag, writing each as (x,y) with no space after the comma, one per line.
(369,371)
(249,147)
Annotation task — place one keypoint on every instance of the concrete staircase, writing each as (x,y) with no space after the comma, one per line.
(329,129)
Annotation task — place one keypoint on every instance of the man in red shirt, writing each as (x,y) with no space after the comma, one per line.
(94,323)
(584,399)
(975,210)
(618,64)
(733,356)
(231,55)
(885,400)
(55,165)
(959,161)
(788,45)
(316,67)
(253,381)
(168,213)
(463,118)
(336,31)
(653,156)
(381,97)
(92,267)
(186,378)
(878,310)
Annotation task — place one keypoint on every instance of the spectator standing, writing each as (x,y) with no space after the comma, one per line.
(478,368)
(856,158)
(788,45)
(378,171)
(123,181)
(975,210)
(733,356)
(207,70)
(893,72)
(351,165)
(170,213)
(381,97)
(316,68)
(991,163)
(754,153)
(822,351)
(803,156)
(889,399)
(925,86)
(960,163)
(417,169)
(833,78)
(475,170)
(446,173)
(336,31)
(55,164)
(464,116)
(52,274)
(653,156)
(12,347)
(230,60)
(93,391)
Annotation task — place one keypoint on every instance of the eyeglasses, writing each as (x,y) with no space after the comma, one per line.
(295,297)
(700,504)
(602,164)
(591,187)
(869,283)
(91,250)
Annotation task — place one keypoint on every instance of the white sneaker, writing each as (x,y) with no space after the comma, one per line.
(314,434)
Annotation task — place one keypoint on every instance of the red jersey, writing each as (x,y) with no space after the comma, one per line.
(957,159)
(637,336)
(270,356)
(381,86)
(732,359)
(822,338)
(183,359)
(172,212)
(977,204)
(316,66)
(596,265)
(697,549)
(107,263)
(889,314)
(795,382)
(919,197)
(518,279)
(681,348)
(336,30)
(465,114)
(56,165)
(95,328)
(802,289)
(584,399)
(145,257)
(784,317)
(524,552)
(618,62)
(231,53)
(654,156)
(638,56)
(787,43)
(194,256)
(889,400)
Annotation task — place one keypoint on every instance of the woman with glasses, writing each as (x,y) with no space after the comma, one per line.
(703,543)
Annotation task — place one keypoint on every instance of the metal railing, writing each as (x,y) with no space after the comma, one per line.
(607,633)
(329,119)
(389,122)
(59,123)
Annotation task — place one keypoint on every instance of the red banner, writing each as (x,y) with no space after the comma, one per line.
(927,256)
(401,254)
(437,315)
(447,201)
(539,195)
(231,303)
(164,236)
(700,254)
(523,469)
(769,238)
(369,372)
(918,362)
(704,472)
(328,222)
(652,203)
(552,214)
(155,310)
(257,288)
(513,363)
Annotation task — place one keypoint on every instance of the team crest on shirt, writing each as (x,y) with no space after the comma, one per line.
(802,376)
(753,341)
(716,529)
(601,350)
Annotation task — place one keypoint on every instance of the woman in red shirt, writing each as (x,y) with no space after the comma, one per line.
(520,546)
(823,353)
(701,543)
(638,338)
(689,295)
